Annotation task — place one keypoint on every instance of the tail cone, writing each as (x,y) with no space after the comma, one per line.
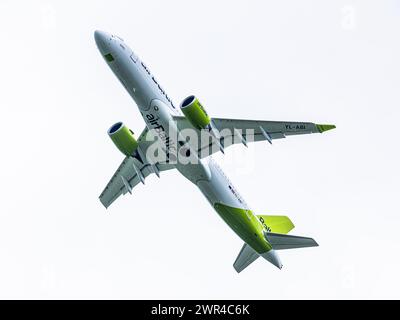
(272,256)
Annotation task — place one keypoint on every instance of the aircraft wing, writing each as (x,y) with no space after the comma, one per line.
(234,131)
(130,173)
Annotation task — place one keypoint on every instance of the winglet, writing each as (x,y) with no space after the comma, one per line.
(325,127)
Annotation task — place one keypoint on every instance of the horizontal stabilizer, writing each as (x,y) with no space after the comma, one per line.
(246,257)
(283,241)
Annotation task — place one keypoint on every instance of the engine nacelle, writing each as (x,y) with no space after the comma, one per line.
(195,113)
(123,138)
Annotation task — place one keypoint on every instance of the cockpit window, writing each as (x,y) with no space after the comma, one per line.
(109,57)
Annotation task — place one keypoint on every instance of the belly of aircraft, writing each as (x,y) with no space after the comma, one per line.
(221,194)
(245,225)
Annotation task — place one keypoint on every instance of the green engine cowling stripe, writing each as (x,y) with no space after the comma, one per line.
(196,114)
(246,225)
(124,141)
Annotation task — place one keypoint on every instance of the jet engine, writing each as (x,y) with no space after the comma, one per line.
(123,138)
(195,113)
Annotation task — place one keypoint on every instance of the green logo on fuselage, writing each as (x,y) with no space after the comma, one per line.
(264,225)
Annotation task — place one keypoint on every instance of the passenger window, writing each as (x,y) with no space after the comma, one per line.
(134,57)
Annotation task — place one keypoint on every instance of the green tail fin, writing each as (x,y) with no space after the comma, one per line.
(276,224)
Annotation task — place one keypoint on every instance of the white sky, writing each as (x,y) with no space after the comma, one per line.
(326,62)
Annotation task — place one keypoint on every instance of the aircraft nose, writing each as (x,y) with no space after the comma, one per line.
(101,39)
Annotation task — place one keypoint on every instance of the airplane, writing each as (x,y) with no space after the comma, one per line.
(164,145)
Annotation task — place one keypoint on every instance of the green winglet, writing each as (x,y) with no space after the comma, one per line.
(325,127)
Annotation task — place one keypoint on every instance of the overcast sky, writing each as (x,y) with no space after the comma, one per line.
(320,61)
